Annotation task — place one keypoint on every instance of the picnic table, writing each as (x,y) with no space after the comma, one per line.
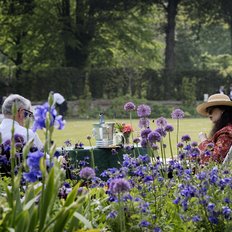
(103,157)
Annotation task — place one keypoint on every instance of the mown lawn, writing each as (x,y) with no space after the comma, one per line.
(78,130)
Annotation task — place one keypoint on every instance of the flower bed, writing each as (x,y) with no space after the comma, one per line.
(147,193)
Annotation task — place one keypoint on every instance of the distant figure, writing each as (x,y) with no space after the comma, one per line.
(222,89)
(60,103)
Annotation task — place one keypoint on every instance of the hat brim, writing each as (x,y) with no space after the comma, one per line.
(201,109)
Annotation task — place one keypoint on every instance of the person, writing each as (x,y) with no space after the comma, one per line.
(230,94)
(219,110)
(60,103)
(222,89)
(23,111)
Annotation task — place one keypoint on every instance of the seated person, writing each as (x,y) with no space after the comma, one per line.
(219,110)
(23,107)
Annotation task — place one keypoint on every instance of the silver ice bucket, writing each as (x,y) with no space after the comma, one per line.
(103,133)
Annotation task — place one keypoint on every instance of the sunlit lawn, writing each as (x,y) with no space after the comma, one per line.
(78,130)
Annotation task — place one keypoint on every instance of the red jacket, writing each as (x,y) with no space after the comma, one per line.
(217,147)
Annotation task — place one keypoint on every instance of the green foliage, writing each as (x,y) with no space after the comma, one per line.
(189,91)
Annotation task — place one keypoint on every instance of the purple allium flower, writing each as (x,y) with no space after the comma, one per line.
(154,137)
(161,122)
(119,185)
(87,173)
(143,110)
(185,138)
(177,114)
(144,123)
(180,145)
(155,147)
(144,223)
(144,143)
(129,106)
(161,131)
(144,133)
(194,144)
(169,128)
(136,140)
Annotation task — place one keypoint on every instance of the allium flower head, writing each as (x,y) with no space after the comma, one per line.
(185,138)
(87,173)
(169,128)
(144,123)
(119,185)
(136,140)
(161,122)
(154,137)
(143,110)
(145,133)
(177,114)
(129,106)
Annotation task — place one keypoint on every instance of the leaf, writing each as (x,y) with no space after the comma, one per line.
(71,196)
(86,222)
(22,221)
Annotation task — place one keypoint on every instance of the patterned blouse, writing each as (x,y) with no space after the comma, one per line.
(217,147)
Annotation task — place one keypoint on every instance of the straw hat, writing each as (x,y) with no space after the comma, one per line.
(214,100)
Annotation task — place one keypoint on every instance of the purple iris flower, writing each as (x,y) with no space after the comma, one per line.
(129,106)
(177,114)
(40,117)
(143,110)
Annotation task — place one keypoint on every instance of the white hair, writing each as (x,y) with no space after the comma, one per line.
(19,101)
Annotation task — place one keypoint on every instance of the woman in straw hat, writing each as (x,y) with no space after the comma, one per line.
(219,110)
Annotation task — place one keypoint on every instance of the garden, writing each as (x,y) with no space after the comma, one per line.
(163,190)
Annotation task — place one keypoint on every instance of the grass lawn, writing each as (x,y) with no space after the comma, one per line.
(78,130)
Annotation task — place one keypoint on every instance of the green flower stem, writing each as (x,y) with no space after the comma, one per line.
(177,132)
(132,134)
(162,152)
(121,214)
(170,144)
(92,155)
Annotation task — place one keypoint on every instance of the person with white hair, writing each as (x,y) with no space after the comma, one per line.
(23,111)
